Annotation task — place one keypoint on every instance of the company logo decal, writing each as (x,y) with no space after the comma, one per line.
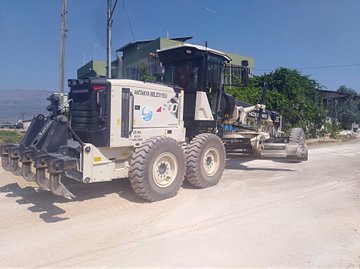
(147,113)
(171,106)
(150,93)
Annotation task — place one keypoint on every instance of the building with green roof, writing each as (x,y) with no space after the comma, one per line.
(140,57)
(93,68)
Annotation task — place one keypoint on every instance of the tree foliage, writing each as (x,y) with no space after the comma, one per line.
(145,76)
(349,109)
(293,95)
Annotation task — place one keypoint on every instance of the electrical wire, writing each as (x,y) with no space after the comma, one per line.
(302,41)
(314,67)
(203,8)
(129,21)
(112,11)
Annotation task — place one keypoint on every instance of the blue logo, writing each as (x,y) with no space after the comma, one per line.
(147,113)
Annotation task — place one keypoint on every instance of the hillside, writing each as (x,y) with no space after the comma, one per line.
(15,102)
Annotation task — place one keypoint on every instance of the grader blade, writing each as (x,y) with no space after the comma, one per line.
(57,188)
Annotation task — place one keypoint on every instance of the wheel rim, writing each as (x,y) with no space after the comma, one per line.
(210,162)
(165,169)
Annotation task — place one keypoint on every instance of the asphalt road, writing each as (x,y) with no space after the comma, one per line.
(261,214)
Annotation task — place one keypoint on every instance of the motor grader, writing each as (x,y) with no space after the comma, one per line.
(155,134)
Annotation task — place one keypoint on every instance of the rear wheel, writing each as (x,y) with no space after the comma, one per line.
(157,169)
(205,160)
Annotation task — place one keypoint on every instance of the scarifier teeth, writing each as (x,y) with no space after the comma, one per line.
(14,167)
(5,162)
(27,174)
(57,188)
(41,180)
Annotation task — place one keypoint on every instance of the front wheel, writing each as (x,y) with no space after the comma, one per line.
(157,169)
(205,160)
(297,136)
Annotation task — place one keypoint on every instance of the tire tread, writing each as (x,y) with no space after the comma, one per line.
(138,175)
(193,154)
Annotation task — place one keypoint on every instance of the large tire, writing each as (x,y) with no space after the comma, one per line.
(205,160)
(297,136)
(157,169)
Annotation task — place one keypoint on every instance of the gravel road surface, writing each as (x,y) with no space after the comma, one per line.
(261,214)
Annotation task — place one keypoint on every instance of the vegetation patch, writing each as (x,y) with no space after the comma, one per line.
(10,137)
(296,97)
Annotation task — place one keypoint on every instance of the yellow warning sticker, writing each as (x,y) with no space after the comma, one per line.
(97,159)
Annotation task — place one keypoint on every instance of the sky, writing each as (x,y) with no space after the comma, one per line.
(320,38)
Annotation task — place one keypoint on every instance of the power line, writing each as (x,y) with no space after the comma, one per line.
(203,8)
(297,41)
(113,9)
(314,67)
(129,21)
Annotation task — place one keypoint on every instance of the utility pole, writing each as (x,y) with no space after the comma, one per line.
(110,11)
(62,50)
(108,35)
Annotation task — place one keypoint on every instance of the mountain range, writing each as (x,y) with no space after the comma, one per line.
(18,104)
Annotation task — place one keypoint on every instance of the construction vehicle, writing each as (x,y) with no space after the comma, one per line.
(155,134)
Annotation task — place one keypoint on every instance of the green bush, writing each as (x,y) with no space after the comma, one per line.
(293,95)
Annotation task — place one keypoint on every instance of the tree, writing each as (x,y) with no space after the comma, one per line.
(349,109)
(290,93)
(145,76)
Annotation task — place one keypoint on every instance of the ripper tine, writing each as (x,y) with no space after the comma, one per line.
(41,180)
(14,167)
(6,155)
(5,163)
(57,188)
(27,174)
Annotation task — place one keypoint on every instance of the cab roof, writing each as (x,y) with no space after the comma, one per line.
(198,48)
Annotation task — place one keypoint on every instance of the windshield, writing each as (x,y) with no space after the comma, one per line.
(184,74)
(213,81)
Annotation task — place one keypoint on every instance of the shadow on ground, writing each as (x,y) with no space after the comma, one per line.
(44,202)
(236,161)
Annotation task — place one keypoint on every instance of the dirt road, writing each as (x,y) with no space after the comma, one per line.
(262,214)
